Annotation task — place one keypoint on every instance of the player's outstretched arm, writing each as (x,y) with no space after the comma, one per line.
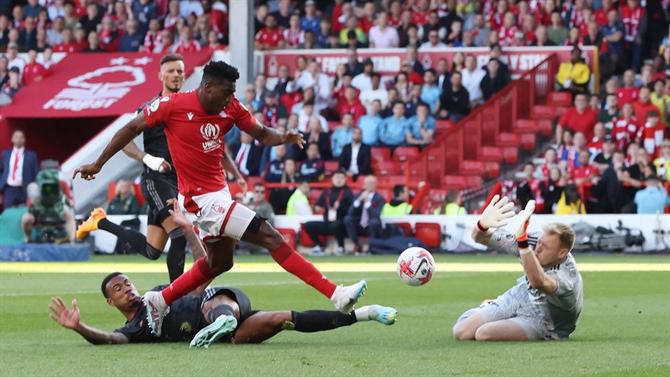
(270,136)
(495,215)
(531,266)
(70,319)
(122,137)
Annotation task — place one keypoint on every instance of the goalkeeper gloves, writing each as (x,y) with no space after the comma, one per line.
(496,214)
(522,233)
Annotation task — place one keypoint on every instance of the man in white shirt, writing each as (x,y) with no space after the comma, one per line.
(433,41)
(471,78)
(19,168)
(363,81)
(320,82)
(14,59)
(382,36)
(375,93)
(306,114)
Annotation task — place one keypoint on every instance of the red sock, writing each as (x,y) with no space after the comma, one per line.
(199,274)
(294,263)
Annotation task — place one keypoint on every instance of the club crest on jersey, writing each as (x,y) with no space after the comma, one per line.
(189,115)
(210,132)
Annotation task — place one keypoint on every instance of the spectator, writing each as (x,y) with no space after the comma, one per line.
(354,66)
(307,114)
(574,75)
(316,134)
(455,100)
(4,70)
(661,100)
(629,92)
(399,205)
(261,206)
(342,135)
(55,32)
(550,161)
(494,81)
(132,39)
(56,9)
(541,38)
(369,124)
(382,35)
(363,81)
(93,43)
(633,16)
(421,127)
(93,17)
(313,78)
(19,169)
(442,72)
(124,201)
(634,176)
(28,35)
(350,105)
(430,92)
(213,42)
(310,21)
(551,189)
(481,31)
(13,84)
(643,107)
(584,172)
(603,160)
(108,35)
(613,34)
(413,101)
(364,215)
(579,118)
(312,169)
(472,77)
(651,135)
(610,112)
(433,42)
(144,11)
(652,199)
(270,37)
(571,154)
(413,61)
(570,203)
(298,202)
(393,129)
(352,33)
(272,111)
(595,145)
(283,13)
(33,71)
(556,32)
(279,197)
(625,128)
(248,155)
(376,93)
(452,206)
(275,169)
(14,59)
(356,157)
(186,44)
(528,186)
(662,163)
(294,35)
(334,203)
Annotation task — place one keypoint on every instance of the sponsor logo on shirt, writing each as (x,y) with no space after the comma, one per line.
(210,133)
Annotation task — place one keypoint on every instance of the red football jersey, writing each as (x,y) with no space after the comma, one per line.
(195,138)
(627,95)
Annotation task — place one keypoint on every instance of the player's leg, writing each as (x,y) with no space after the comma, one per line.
(506,329)
(467,324)
(503,307)
(261,326)
(261,233)
(221,312)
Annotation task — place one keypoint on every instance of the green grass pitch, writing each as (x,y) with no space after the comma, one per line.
(624,329)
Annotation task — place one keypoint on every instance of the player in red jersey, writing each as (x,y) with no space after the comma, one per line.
(195,123)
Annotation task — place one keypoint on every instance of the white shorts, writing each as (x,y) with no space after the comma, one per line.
(217,215)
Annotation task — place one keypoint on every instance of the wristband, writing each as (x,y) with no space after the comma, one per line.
(481,227)
(522,244)
(524,251)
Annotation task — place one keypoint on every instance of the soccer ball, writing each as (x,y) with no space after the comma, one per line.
(416,266)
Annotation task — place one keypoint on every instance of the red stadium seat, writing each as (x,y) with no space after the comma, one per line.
(306,241)
(544,112)
(526,126)
(528,141)
(429,233)
(331,167)
(488,153)
(386,168)
(507,139)
(403,154)
(560,99)
(314,195)
(443,125)
(406,228)
(380,154)
(393,180)
(457,182)
(511,155)
(289,236)
(469,167)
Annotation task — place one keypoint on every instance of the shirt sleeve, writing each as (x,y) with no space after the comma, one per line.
(158,111)
(243,118)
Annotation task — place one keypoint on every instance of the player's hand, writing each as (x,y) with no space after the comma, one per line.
(294,137)
(522,233)
(496,214)
(68,318)
(178,217)
(87,172)
(156,163)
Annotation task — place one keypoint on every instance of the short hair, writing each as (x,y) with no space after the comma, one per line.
(566,235)
(398,102)
(171,58)
(452,196)
(398,189)
(219,71)
(105,281)
(258,184)
(430,70)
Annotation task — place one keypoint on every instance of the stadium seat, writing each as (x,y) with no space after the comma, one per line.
(386,168)
(507,139)
(469,167)
(314,195)
(331,167)
(380,154)
(393,180)
(403,154)
(488,153)
(545,127)
(305,240)
(492,169)
(473,181)
(406,228)
(511,155)
(443,125)
(526,126)
(457,182)
(560,99)
(528,141)
(429,233)
(544,112)
(289,236)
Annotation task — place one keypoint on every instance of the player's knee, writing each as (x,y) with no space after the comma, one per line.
(271,238)
(462,332)
(220,266)
(484,334)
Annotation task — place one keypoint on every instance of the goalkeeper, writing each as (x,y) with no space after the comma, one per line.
(546,301)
